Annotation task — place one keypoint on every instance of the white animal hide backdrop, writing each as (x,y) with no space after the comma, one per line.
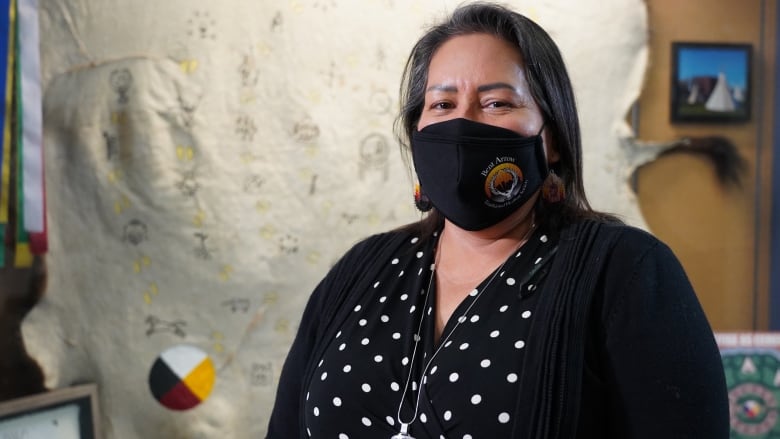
(207,162)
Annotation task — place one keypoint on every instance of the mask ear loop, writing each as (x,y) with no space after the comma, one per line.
(545,168)
(421,201)
(541,156)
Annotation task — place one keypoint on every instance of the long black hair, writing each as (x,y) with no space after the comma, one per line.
(549,84)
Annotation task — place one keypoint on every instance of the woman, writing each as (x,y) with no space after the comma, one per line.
(512,310)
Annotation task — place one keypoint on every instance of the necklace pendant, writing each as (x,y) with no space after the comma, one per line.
(403,433)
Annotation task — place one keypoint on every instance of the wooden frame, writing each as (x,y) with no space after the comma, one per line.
(70,412)
(711,82)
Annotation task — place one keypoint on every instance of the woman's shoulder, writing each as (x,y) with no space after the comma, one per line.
(625,238)
(638,276)
(634,256)
(385,238)
(622,249)
(372,245)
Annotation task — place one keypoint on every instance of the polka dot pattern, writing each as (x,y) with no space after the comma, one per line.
(472,378)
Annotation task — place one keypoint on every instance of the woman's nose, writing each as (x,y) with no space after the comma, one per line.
(467,111)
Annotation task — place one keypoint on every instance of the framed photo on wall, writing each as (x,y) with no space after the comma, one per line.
(710,82)
(67,413)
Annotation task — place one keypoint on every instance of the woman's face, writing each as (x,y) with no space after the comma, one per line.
(480,77)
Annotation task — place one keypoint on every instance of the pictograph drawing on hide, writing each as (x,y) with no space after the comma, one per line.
(380,102)
(201,250)
(262,374)
(313,185)
(135,232)
(121,80)
(248,71)
(325,5)
(112,145)
(156,325)
(253,184)
(374,156)
(246,128)
(349,218)
(237,304)
(306,131)
(249,75)
(380,58)
(201,25)
(188,184)
(288,244)
(277,22)
(186,109)
(333,76)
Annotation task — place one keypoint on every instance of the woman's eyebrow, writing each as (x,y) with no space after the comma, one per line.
(495,85)
(442,87)
(480,89)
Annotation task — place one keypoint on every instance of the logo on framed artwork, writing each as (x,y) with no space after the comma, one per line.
(751,362)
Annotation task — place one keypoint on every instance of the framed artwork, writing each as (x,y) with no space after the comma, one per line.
(751,363)
(68,413)
(710,82)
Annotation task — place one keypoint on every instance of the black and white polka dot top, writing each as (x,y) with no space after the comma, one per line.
(470,388)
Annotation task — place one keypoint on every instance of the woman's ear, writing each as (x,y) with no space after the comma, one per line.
(550,150)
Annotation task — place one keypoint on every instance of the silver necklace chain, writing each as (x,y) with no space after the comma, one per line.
(404,429)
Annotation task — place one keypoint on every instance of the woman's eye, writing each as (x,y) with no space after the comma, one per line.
(497,104)
(441,106)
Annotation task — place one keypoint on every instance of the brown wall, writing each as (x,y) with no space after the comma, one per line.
(720,234)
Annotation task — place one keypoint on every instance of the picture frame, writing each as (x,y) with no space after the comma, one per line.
(711,82)
(67,413)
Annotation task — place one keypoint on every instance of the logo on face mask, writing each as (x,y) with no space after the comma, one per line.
(503,184)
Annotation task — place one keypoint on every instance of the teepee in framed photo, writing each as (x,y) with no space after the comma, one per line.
(710,82)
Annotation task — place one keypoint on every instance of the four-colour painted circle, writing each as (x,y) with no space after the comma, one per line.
(182,377)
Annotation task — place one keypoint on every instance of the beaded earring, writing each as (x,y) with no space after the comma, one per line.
(553,189)
(421,201)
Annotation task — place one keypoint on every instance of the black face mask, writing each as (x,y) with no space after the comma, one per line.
(476,174)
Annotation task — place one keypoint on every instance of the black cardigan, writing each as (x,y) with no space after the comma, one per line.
(628,350)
